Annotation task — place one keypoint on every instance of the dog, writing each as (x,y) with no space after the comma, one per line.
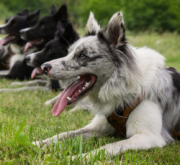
(38,36)
(44,30)
(54,49)
(18,67)
(116,77)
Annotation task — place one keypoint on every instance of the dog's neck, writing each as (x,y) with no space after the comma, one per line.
(131,86)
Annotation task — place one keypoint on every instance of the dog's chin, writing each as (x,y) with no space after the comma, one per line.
(74,92)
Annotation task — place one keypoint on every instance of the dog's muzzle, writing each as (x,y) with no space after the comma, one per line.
(46,68)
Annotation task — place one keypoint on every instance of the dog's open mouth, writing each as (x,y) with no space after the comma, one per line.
(31,44)
(73,93)
(36,71)
(7,39)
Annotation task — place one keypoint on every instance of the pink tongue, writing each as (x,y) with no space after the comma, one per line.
(62,102)
(6,39)
(33,74)
(36,71)
(28,44)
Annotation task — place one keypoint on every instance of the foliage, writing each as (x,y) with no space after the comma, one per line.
(4,13)
(147,15)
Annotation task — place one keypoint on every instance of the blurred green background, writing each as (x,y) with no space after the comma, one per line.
(146,15)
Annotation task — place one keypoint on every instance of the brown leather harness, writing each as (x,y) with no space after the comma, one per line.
(119,121)
(4,63)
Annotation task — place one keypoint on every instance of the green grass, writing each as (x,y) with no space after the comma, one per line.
(24,118)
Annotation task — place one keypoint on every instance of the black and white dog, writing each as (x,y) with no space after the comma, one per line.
(54,49)
(44,30)
(115,75)
(18,67)
(38,35)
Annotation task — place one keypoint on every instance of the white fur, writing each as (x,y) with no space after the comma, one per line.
(24,30)
(92,25)
(32,56)
(2,31)
(16,49)
(15,58)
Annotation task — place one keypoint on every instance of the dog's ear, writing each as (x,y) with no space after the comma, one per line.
(68,32)
(60,30)
(53,10)
(114,33)
(92,25)
(69,36)
(23,13)
(33,17)
(61,15)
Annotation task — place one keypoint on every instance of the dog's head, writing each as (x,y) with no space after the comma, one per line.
(16,23)
(54,49)
(45,28)
(97,60)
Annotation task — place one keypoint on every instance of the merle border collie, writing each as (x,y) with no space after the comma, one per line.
(115,75)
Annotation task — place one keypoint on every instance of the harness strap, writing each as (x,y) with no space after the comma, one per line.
(118,121)
(5,62)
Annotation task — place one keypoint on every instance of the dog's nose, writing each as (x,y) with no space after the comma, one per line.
(28,59)
(46,67)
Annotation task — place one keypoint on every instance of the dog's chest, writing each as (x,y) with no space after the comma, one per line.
(15,58)
(16,49)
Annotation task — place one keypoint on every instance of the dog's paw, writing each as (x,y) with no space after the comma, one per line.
(37,143)
(14,84)
(48,103)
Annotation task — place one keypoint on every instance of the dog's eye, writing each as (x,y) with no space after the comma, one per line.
(82,55)
(42,26)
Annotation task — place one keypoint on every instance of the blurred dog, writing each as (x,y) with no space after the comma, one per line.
(117,78)
(18,68)
(37,37)
(44,30)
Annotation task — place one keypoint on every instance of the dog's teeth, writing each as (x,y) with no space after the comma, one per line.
(79,91)
(78,77)
(84,88)
(87,84)
(68,98)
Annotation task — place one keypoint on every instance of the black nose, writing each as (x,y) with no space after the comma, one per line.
(28,59)
(46,67)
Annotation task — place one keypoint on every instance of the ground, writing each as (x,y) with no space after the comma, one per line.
(24,118)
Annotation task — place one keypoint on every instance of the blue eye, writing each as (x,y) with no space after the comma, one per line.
(82,56)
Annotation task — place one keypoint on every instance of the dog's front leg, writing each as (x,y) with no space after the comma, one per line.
(24,89)
(99,126)
(52,101)
(144,126)
(30,83)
